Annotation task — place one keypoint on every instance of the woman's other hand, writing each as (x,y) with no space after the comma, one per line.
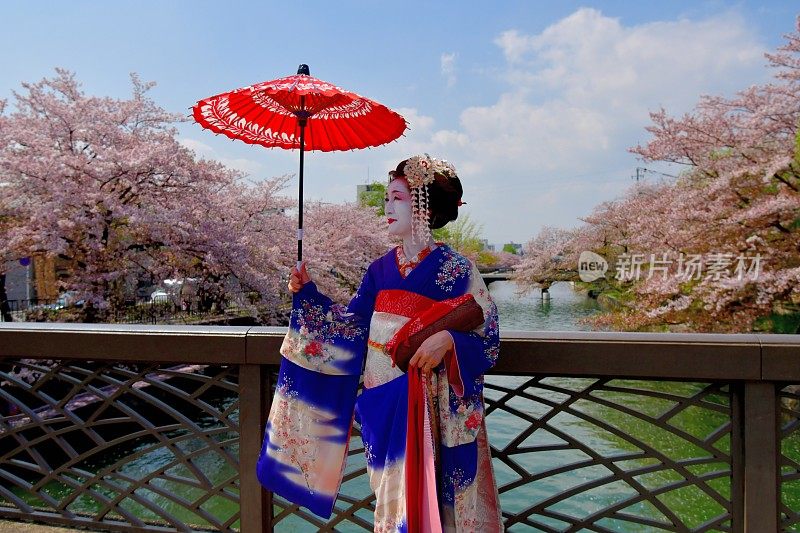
(431,352)
(298,278)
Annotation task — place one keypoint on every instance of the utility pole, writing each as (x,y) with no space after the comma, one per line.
(640,173)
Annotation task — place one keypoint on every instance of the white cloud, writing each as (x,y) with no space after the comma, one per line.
(592,59)
(417,123)
(515,133)
(248,166)
(201,149)
(579,95)
(448,67)
(513,44)
(198,147)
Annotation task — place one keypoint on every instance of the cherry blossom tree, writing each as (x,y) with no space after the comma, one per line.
(233,240)
(736,206)
(505,259)
(548,257)
(104,185)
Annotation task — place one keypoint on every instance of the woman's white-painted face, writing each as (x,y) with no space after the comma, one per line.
(398,207)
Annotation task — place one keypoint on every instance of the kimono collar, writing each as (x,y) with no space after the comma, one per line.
(405,266)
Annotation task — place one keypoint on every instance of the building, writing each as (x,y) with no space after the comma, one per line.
(36,281)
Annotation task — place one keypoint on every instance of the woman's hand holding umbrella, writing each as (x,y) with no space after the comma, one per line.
(298,278)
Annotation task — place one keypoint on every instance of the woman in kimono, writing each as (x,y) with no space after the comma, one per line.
(424,432)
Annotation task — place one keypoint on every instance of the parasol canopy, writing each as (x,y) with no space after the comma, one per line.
(300,112)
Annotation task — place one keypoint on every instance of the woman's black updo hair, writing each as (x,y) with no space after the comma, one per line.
(444,195)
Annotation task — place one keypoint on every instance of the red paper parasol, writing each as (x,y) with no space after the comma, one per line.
(300,112)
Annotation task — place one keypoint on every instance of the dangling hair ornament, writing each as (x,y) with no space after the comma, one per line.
(420,171)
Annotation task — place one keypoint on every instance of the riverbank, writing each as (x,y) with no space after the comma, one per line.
(7,526)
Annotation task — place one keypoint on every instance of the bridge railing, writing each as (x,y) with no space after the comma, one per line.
(158,428)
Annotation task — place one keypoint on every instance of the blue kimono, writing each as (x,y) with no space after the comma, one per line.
(324,352)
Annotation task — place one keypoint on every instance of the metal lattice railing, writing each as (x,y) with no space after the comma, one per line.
(614,455)
(131,445)
(790,457)
(159,429)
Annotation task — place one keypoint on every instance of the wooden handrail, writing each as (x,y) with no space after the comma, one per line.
(737,357)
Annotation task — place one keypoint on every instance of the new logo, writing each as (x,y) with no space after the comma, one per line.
(591,266)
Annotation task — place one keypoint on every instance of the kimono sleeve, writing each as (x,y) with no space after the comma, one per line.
(476,351)
(308,429)
(327,337)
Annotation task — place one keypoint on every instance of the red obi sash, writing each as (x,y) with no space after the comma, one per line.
(403,303)
(460,314)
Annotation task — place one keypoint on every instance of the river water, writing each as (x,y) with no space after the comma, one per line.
(529,312)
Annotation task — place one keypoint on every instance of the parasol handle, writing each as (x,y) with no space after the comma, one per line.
(300,248)
(302,122)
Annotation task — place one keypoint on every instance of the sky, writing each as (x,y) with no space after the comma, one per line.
(535,102)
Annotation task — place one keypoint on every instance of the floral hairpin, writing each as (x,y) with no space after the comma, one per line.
(421,170)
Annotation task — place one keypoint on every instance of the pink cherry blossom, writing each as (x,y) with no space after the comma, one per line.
(738,195)
(104,186)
